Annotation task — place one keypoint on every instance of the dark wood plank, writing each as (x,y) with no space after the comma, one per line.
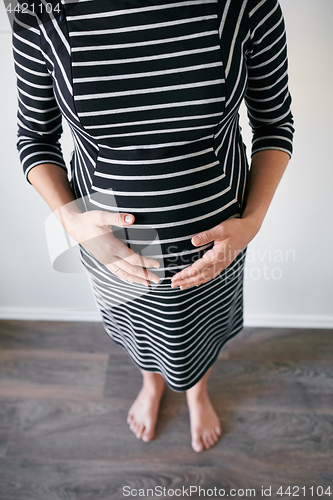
(102,480)
(280,386)
(51,373)
(8,416)
(303,344)
(63,335)
(123,379)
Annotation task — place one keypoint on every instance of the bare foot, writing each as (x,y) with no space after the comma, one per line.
(142,416)
(205,424)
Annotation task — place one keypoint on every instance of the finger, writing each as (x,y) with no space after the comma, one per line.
(129,272)
(207,236)
(111,252)
(111,219)
(126,253)
(129,278)
(137,265)
(192,284)
(201,277)
(198,279)
(119,251)
(138,260)
(213,256)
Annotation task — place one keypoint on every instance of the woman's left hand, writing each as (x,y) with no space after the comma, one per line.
(230,237)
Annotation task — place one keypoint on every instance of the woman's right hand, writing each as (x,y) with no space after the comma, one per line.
(93,230)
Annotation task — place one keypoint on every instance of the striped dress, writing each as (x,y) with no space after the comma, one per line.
(151,90)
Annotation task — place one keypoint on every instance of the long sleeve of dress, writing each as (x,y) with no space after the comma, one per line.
(267,96)
(39,117)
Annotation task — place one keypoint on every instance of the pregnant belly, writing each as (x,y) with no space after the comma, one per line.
(172,198)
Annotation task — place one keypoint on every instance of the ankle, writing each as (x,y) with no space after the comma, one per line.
(153,383)
(197,396)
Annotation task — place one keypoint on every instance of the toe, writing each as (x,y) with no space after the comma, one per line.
(139,431)
(207,441)
(197,444)
(214,438)
(133,426)
(148,434)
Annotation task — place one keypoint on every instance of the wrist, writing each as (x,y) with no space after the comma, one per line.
(69,217)
(253,222)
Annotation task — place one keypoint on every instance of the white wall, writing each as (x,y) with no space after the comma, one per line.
(289,271)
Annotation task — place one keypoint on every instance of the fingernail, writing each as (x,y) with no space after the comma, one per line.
(196,240)
(128,218)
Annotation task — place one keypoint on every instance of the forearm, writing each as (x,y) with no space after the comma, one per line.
(52,184)
(267,169)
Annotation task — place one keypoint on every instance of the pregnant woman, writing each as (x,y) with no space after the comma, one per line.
(160,195)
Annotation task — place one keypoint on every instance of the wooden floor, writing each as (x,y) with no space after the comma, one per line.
(65,389)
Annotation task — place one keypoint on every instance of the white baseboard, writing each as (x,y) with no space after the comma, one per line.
(36,314)
(289,321)
(268,321)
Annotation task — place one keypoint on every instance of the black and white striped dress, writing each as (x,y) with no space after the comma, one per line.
(151,90)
